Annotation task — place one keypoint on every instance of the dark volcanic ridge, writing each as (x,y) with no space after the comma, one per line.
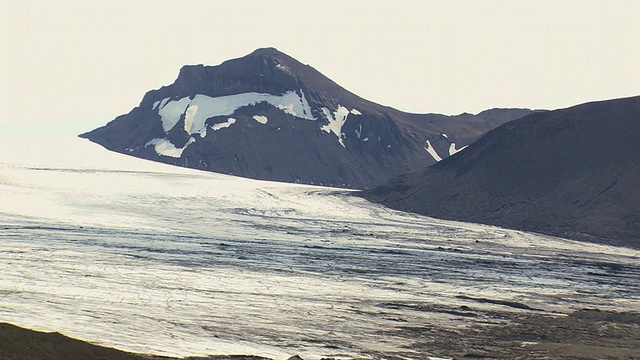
(268,116)
(573,173)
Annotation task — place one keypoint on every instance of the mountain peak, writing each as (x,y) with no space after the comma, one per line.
(275,58)
(267,51)
(267,116)
(269,56)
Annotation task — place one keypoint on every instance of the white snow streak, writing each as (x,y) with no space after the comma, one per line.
(207,107)
(164,147)
(453,150)
(336,121)
(163,102)
(226,124)
(202,107)
(432,151)
(191,112)
(261,119)
(171,112)
(284,69)
(296,105)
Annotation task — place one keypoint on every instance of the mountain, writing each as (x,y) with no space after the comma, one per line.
(268,116)
(573,173)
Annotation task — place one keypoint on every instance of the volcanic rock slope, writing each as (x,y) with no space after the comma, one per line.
(573,173)
(268,116)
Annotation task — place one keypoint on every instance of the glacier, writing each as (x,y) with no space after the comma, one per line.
(151,258)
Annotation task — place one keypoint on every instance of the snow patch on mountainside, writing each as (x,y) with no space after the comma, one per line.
(432,151)
(261,119)
(203,107)
(163,102)
(164,147)
(337,120)
(196,111)
(453,150)
(171,112)
(285,69)
(226,124)
(189,115)
(294,104)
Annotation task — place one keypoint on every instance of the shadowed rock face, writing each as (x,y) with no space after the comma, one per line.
(308,129)
(573,173)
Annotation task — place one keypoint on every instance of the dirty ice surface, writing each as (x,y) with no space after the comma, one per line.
(157,259)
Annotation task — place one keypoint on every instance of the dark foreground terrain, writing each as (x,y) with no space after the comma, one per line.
(21,344)
(583,334)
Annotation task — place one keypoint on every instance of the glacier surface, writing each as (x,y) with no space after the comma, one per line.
(151,258)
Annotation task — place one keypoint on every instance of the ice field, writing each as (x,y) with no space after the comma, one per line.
(151,258)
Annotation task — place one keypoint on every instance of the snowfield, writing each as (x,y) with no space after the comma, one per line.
(151,258)
(196,111)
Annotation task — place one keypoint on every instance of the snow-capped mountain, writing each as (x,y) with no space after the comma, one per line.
(573,173)
(268,116)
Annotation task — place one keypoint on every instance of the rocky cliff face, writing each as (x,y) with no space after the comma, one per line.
(267,116)
(573,173)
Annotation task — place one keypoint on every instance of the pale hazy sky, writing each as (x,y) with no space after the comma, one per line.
(75,65)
